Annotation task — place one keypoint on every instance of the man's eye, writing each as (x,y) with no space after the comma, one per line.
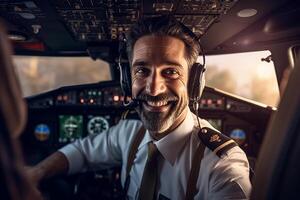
(171,72)
(140,71)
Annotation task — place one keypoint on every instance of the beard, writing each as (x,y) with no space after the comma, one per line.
(159,122)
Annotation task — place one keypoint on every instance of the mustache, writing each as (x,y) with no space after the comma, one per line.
(160,97)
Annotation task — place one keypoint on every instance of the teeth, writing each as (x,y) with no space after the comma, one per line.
(157,103)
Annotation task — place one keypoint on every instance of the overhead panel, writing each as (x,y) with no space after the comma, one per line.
(25,14)
(101,20)
(68,24)
(98,20)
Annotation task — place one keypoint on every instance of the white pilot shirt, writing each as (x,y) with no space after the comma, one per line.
(219,178)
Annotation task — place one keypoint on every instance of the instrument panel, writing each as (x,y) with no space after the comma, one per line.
(61,116)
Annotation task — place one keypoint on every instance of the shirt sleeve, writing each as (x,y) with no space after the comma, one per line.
(230,177)
(96,152)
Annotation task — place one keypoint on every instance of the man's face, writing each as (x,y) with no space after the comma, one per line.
(159,79)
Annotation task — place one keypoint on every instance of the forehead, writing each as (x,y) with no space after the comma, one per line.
(157,40)
(159,48)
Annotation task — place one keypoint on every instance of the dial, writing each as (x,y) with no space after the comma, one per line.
(42,132)
(97,125)
(239,135)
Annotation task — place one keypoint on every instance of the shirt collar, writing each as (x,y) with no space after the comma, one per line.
(170,145)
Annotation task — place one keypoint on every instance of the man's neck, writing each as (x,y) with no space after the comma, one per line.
(177,122)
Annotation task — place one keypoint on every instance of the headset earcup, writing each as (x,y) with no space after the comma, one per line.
(125,78)
(196,82)
(202,83)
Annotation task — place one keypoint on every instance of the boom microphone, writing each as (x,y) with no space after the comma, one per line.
(131,104)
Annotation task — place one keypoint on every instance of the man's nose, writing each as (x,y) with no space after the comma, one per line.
(155,84)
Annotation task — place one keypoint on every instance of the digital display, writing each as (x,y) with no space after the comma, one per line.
(70,127)
(238,135)
(97,124)
(42,132)
(216,123)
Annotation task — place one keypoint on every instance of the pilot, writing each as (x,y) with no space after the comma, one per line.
(171,153)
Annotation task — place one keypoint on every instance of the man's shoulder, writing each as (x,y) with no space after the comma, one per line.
(217,142)
(212,138)
(220,148)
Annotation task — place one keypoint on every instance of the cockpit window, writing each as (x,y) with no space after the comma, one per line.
(40,74)
(244,74)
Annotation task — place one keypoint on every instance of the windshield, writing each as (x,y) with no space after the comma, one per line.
(244,74)
(40,74)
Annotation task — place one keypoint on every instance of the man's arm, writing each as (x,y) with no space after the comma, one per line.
(53,165)
(230,177)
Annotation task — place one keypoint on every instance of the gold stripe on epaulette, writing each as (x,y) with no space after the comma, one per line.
(223,145)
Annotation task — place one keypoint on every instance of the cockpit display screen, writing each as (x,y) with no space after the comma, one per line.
(70,128)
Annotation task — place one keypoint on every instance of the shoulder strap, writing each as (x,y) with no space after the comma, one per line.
(216,142)
(131,155)
(191,189)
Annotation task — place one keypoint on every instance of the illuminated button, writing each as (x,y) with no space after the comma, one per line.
(59,97)
(116,98)
(219,102)
(65,97)
(82,101)
(228,106)
(92,101)
(209,101)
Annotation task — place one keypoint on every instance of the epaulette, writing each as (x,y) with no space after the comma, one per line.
(215,141)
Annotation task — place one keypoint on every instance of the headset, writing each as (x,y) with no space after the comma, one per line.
(196,80)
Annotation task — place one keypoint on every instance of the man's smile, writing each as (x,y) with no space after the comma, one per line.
(156,106)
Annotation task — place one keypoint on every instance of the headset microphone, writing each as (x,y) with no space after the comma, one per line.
(131,104)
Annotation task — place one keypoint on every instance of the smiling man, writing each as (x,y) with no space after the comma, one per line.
(159,80)
(170,153)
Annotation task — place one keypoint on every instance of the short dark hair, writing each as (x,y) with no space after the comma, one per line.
(164,26)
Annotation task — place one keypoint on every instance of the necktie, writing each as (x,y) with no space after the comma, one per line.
(148,184)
